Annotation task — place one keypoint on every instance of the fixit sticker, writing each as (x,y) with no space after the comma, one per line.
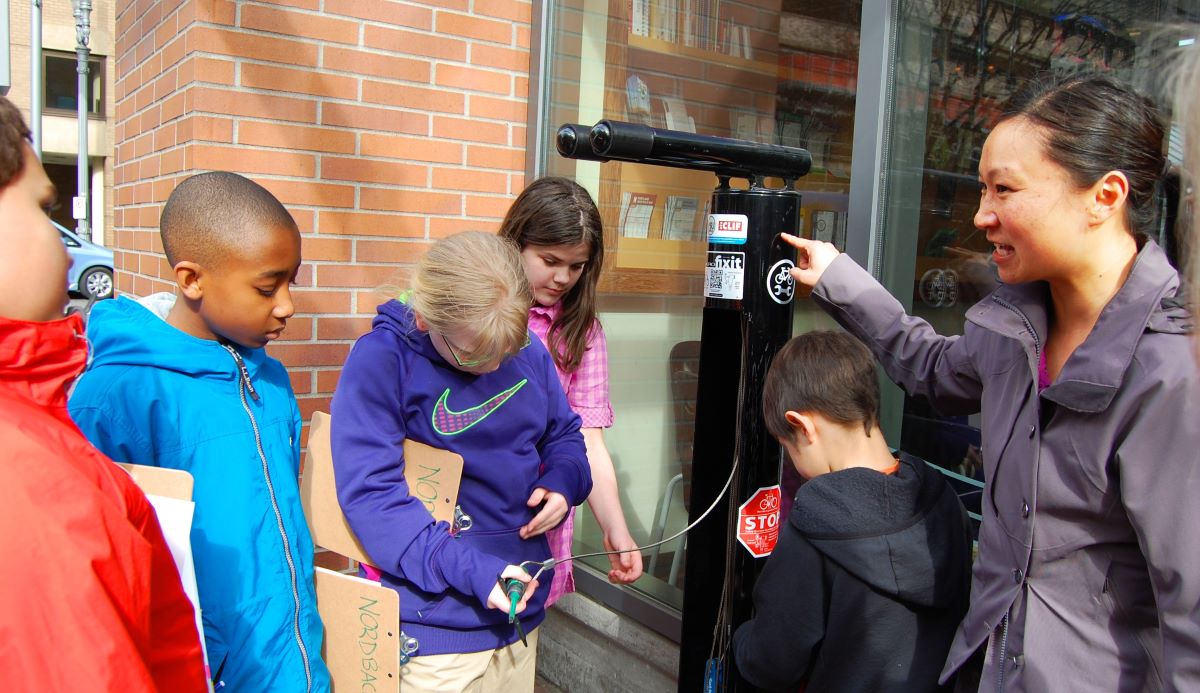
(725,275)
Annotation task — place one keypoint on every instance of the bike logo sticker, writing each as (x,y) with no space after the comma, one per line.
(938,288)
(780,285)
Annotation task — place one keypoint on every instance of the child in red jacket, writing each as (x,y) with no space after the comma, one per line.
(90,598)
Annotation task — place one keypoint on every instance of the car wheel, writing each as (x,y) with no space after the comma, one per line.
(96,283)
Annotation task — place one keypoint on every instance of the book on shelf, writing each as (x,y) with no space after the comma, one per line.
(691,23)
(636,210)
(736,41)
(687,24)
(637,97)
(639,17)
(679,218)
(664,19)
(676,116)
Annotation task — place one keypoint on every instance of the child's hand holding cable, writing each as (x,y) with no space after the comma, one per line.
(498,599)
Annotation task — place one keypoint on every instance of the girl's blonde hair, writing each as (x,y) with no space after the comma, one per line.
(474,280)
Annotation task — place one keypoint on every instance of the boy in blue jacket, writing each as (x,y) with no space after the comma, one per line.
(452,366)
(182,381)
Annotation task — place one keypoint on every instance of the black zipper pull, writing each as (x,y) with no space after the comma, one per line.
(241,364)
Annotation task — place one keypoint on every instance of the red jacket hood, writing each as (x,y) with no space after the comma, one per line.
(40,360)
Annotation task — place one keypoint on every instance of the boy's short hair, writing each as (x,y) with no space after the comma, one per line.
(210,213)
(825,372)
(14,134)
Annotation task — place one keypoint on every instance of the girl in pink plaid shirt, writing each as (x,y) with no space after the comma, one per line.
(557,226)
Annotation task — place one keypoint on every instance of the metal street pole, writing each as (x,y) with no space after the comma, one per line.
(83,28)
(5,51)
(35,75)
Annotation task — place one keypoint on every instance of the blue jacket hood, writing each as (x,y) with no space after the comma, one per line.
(132,332)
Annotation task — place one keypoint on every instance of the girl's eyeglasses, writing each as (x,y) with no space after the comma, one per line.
(473,362)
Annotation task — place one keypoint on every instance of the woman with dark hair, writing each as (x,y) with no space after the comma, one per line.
(1087,577)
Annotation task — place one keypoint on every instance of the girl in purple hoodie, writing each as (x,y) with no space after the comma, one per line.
(451,364)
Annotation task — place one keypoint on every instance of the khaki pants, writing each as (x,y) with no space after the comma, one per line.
(508,669)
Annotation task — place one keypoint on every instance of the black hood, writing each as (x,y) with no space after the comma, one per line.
(899,533)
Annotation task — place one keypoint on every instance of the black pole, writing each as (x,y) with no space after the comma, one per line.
(735,334)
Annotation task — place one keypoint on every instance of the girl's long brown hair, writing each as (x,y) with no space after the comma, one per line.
(559,211)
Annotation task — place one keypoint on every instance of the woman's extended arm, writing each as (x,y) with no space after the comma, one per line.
(912,353)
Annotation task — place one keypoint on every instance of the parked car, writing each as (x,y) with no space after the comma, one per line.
(91,272)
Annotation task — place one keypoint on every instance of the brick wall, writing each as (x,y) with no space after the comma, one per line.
(380,125)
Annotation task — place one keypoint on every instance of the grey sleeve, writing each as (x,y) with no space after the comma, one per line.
(913,355)
(1160,481)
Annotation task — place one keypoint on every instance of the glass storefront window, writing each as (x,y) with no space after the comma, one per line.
(897,95)
(954,67)
(756,70)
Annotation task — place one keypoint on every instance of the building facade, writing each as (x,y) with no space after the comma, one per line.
(386,124)
(60,139)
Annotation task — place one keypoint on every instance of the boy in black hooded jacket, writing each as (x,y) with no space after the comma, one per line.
(871,574)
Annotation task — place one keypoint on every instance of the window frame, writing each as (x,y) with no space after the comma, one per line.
(96,64)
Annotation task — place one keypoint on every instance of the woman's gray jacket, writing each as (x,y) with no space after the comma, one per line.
(1088,574)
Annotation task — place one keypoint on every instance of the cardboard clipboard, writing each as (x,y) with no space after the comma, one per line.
(362,635)
(362,617)
(161,481)
(433,477)
(170,494)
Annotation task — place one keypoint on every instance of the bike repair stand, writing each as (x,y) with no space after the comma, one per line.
(747,318)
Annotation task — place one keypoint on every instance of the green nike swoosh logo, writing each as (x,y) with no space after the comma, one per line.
(449,422)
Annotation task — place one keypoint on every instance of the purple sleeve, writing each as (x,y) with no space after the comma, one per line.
(368,433)
(1159,484)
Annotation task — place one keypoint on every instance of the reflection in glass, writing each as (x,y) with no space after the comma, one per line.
(956,65)
(786,71)
(780,73)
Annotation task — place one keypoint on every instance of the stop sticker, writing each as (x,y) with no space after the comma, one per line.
(758,521)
